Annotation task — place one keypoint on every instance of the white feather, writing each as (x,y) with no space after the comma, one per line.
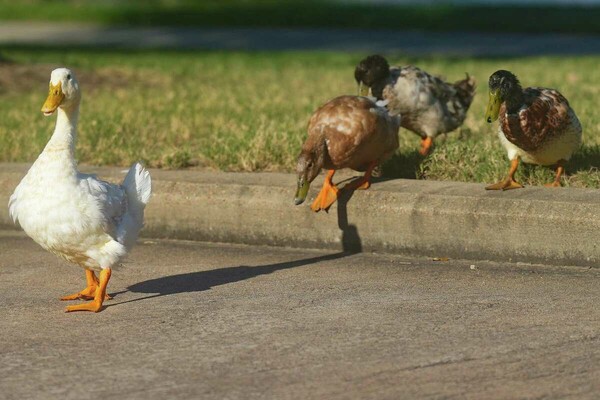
(77,216)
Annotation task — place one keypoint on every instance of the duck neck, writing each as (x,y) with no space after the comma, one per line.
(65,133)
(514,102)
(379,85)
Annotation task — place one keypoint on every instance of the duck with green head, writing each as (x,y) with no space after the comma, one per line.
(536,125)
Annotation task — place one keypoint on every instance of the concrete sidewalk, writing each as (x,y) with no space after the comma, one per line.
(461,44)
(434,219)
(209,321)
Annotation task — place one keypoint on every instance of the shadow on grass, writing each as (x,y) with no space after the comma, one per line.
(586,159)
(402,166)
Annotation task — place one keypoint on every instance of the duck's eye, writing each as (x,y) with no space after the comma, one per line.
(68,76)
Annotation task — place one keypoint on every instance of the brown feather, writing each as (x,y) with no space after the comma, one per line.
(546,116)
(354,135)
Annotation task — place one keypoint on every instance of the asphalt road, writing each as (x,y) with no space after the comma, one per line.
(210,321)
(463,44)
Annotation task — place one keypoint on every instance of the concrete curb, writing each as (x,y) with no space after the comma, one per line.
(436,219)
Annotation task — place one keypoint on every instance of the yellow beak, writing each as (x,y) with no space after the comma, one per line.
(302,191)
(493,107)
(363,90)
(55,98)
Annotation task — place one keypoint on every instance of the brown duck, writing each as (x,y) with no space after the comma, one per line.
(346,132)
(536,125)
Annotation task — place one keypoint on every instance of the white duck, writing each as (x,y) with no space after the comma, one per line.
(76,216)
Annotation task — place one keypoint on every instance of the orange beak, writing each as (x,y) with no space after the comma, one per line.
(55,98)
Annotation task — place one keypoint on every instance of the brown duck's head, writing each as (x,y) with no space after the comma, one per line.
(371,73)
(504,87)
(308,167)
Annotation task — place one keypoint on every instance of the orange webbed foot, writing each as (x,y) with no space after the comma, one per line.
(506,184)
(89,292)
(99,294)
(80,296)
(553,184)
(358,184)
(364,186)
(327,196)
(93,306)
(85,294)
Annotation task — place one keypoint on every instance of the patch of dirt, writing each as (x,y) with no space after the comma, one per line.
(26,77)
(15,78)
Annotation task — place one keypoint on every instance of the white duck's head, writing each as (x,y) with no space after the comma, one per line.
(64,91)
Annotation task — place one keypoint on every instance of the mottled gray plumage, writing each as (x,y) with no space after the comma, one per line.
(428,105)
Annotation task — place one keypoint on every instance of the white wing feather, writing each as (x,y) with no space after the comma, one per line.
(109,198)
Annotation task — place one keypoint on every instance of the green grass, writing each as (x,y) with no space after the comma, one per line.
(309,13)
(248,111)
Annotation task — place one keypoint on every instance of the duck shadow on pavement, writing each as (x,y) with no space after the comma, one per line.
(204,280)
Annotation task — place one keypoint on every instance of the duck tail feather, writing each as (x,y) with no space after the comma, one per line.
(465,89)
(138,184)
(138,188)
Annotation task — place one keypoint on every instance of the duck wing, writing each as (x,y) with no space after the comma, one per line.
(110,199)
(416,92)
(544,116)
(356,131)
